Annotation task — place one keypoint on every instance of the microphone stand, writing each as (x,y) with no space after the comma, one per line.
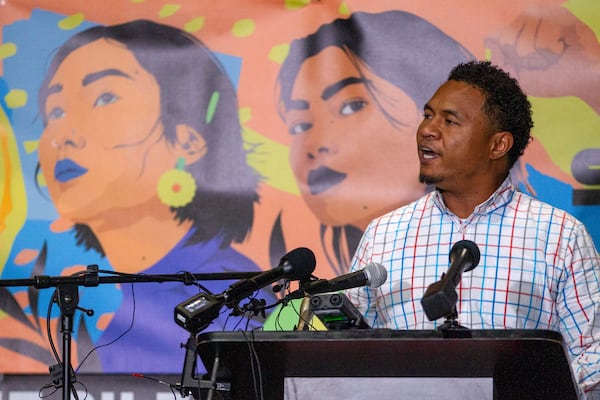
(68,300)
(451,327)
(190,383)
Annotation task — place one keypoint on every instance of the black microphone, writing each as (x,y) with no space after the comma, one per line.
(373,275)
(197,312)
(440,297)
(298,264)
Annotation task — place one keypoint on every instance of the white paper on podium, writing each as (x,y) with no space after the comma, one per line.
(351,388)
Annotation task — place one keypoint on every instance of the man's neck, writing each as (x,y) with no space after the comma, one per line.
(462,203)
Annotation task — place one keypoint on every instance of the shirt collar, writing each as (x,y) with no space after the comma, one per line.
(499,198)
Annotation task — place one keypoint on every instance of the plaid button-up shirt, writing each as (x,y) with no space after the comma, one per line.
(539,269)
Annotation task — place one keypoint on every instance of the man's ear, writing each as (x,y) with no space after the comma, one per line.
(190,144)
(501,143)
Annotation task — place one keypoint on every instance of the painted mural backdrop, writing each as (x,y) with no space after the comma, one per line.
(155,137)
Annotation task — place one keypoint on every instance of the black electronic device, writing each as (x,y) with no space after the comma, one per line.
(336,312)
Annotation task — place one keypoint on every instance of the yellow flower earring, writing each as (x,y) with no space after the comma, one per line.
(177,187)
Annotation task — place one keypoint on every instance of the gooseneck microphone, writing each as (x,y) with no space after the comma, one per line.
(440,297)
(298,264)
(464,256)
(197,312)
(373,275)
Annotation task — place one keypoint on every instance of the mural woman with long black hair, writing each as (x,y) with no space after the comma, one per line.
(351,95)
(142,152)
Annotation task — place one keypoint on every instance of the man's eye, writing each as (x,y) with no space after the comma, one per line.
(352,107)
(299,128)
(105,98)
(55,113)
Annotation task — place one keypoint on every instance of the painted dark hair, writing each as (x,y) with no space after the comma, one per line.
(506,105)
(400,47)
(188,74)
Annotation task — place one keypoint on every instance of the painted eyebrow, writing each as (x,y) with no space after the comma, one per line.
(296,105)
(336,87)
(94,76)
(328,92)
(89,78)
(56,88)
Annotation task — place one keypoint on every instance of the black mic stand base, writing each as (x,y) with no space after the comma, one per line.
(452,329)
(192,386)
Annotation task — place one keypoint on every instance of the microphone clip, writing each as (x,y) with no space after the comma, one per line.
(254,306)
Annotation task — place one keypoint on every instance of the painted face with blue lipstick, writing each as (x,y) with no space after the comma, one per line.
(139,119)
(102,147)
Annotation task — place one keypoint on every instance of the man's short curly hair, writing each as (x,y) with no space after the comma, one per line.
(506,104)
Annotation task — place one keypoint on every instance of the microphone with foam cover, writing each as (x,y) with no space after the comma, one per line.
(440,297)
(373,275)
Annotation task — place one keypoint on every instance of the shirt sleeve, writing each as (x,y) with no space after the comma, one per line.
(578,306)
(363,298)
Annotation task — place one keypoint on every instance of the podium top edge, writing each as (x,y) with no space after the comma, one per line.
(378,334)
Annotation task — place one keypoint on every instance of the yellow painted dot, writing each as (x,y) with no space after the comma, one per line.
(194,25)
(137,1)
(296,4)
(16,98)
(245,114)
(31,146)
(71,22)
(344,9)
(168,10)
(243,27)
(7,50)
(279,52)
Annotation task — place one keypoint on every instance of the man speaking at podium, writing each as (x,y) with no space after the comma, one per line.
(538,267)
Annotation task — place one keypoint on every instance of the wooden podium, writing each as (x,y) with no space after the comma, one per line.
(524,364)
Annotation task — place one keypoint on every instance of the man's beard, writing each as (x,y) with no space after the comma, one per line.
(429,180)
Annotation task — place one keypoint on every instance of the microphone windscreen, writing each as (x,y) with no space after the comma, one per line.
(471,249)
(376,274)
(303,262)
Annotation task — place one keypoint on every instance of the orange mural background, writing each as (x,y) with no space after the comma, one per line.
(259,33)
